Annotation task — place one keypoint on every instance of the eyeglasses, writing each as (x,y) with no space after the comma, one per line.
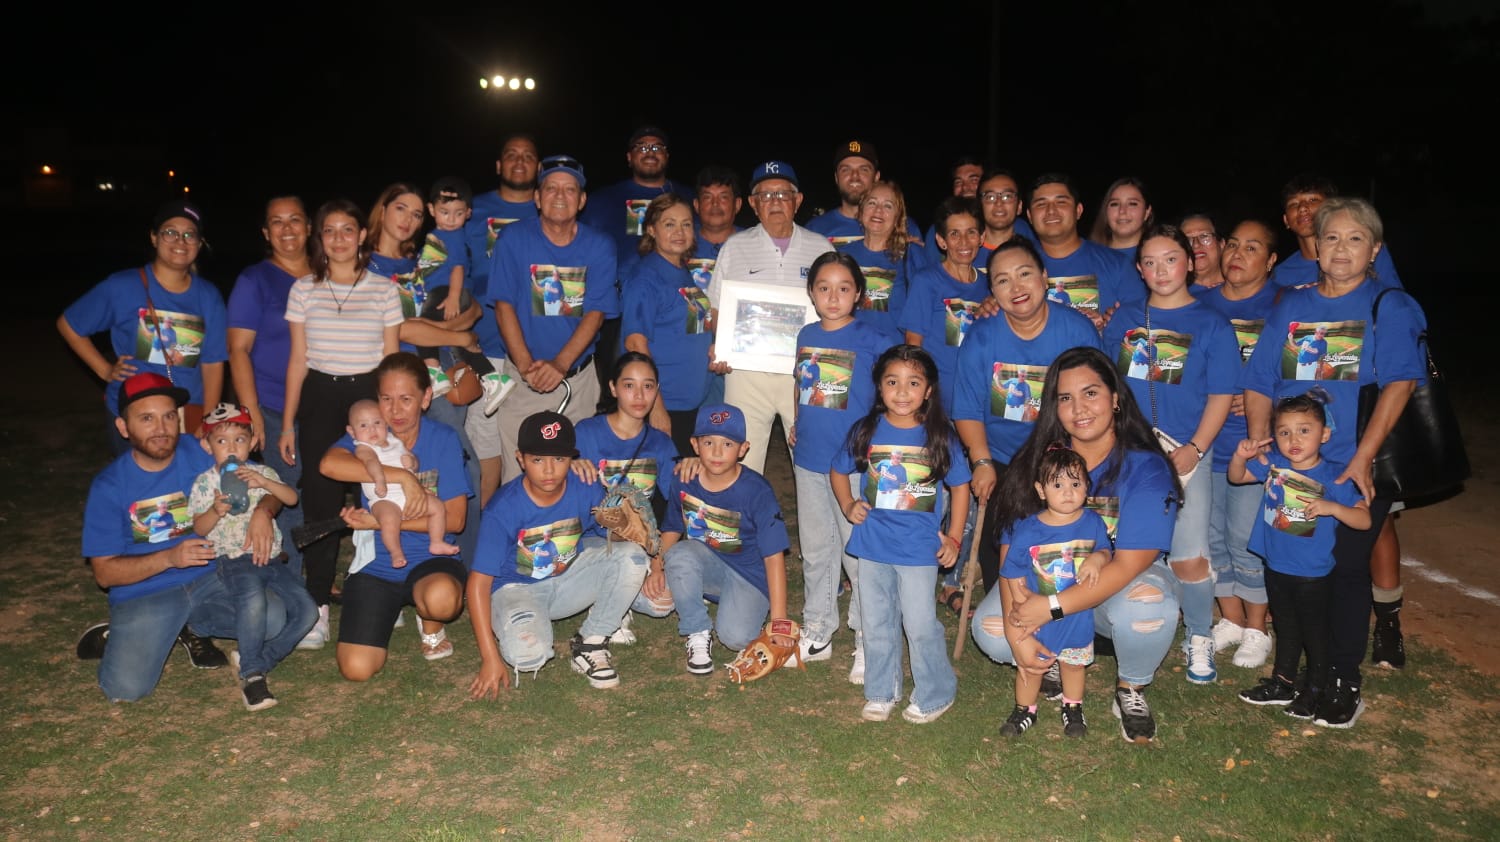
(1207,238)
(172,235)
(646,148)
(991,197)
(775,196)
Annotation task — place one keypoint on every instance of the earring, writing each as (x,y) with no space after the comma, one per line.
(1117,409)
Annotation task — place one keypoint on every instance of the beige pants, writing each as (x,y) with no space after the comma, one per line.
(761,396)
(522,401)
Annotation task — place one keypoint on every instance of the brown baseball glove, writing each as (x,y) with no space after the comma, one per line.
(626,512)
(765,655)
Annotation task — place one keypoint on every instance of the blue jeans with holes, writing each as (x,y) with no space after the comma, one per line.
(249,589)
(604,578)
(897,598)
(693,571)
(1237,571)
(1190,539)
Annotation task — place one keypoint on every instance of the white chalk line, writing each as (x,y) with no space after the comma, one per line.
(1432,574)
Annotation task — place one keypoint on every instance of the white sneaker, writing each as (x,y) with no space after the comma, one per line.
(1227,635)
(319,636)
(857,672)
(877,711)
(623,635)
(441,385)
(812,650)
(921,717)
(400,620)
(1200,660)
(1254,649)
(700,647)
(496,386)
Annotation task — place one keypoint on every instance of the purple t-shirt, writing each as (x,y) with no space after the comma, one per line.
(258,303)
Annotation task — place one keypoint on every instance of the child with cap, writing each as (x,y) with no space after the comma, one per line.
(543,557)
(443,267)
(735,551)
(225,522)
(376,448)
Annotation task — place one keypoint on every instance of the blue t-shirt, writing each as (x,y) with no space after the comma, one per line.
(649,463)
(941,309)
(193,324)
(906,500)
(520,541)
(999,377)
(441,253)
(1291,542)
(1297,270)
(1274,370)
(131,511)
(1096,277)
(489,217)
(663,303)
(742,524)
(886,282)
(1140,507)
(1037,549)
(402,271)
(1194,355)
(1247,317)
(844,230)
(836,391)
(552,287)
(258,303)
(619,211)
(440,469)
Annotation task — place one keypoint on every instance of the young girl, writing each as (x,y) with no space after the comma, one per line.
(1124,215)
(834,358)
(1041,556)
(901,548)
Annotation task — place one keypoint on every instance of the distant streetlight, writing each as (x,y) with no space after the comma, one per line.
(502,83)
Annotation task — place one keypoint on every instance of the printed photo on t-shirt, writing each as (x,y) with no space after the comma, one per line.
(698,308)
(557,290)
(640,472)
(412,290)
(635,216)
(823,377)
(1016,391)
(1246,334)
(716,527)
(900,478)
(1160,356)
(1107,508)
(1285,505)
(157,519)
(878,283)
(958,317)
(171,337)
(544,551)
(492,228)
(432,255)
(1322,350)
(845,239)
(1056,565)
(702,269)
(1081,292)
(428,479)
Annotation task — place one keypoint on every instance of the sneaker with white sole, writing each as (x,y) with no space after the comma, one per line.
(256,694)
(436,646)
(1341,706)
(915,714)
(623,635)
(700,648)
(318,636)
(1254,649)
(1137,725)
(441,385)
(593,661)
(1052,683)
(496,386)
(1227,635)
(857,671)
(1270,691)
(811,650)
(877,711)
(1074,725)
(1200,660)
(1020,719)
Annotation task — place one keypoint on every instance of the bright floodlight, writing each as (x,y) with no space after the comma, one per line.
(530,84)
(484,84)
(515,84)
(498,81)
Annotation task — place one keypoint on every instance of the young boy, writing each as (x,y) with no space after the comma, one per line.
(444,267)
(736,549)
(226,436)
(1295,537)
(543,557)
(376,448)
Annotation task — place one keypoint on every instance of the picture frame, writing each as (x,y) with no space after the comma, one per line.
(758,326)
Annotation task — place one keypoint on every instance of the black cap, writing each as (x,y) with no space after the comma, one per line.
(857,149)
(172,210)
(547,434)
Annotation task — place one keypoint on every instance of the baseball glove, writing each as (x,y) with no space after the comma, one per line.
(626,512)
(764,655)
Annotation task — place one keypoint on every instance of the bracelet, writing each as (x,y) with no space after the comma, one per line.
(953,539)
(981,462)
(1197,448)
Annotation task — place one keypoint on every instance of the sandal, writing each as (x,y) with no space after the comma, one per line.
(437,645)
(955,603)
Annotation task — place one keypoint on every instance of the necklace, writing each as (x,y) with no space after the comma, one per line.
(335,296)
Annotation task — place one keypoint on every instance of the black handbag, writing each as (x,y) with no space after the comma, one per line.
(1423,456)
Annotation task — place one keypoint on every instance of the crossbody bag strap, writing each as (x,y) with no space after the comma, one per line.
(151,308)
(1151,364)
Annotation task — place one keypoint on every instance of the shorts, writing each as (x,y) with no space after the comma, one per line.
(1079,656)
(371,603)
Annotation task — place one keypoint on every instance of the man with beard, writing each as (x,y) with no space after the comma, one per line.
(856,166)
(159,583)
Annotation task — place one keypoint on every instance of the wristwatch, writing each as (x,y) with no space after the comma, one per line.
(1057,612)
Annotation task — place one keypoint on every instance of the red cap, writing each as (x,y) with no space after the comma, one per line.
(227,413)
(146,384)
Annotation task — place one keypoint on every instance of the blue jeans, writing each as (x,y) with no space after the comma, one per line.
(694,570)
(954,577)
(442,410)
(249,588)
(1190,539)
(823,533)
(897,598)
(1237,571)
(604,575)
(291,516)
(1141,619)
(143,630)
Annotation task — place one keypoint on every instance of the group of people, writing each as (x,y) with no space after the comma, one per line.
(1099,414)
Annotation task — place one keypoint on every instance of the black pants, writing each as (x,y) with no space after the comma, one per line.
(1300,605)
(683,421)
(477,361)
(1349,615)
(322,416)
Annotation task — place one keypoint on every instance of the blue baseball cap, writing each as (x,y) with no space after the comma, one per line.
(720,419)
(773,169)
(561,163)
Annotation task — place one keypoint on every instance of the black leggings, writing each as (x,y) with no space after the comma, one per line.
(1349,613)
(1300,605)
(322,415)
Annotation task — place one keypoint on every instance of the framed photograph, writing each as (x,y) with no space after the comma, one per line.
(758,326)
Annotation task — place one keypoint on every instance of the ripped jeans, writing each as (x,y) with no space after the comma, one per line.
(1141,619)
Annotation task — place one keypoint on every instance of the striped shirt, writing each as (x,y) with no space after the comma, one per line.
(345,335)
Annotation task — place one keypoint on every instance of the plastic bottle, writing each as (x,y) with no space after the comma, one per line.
(231,484)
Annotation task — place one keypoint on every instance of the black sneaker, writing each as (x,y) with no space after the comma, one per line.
(1019,720)
(1270,691)
(257,694)
(1341,706)
(1305,705)
(1137,724)
(91,644)
(1073,721)
(1388,649)
(1052,683)
(593,661)
(202,651)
